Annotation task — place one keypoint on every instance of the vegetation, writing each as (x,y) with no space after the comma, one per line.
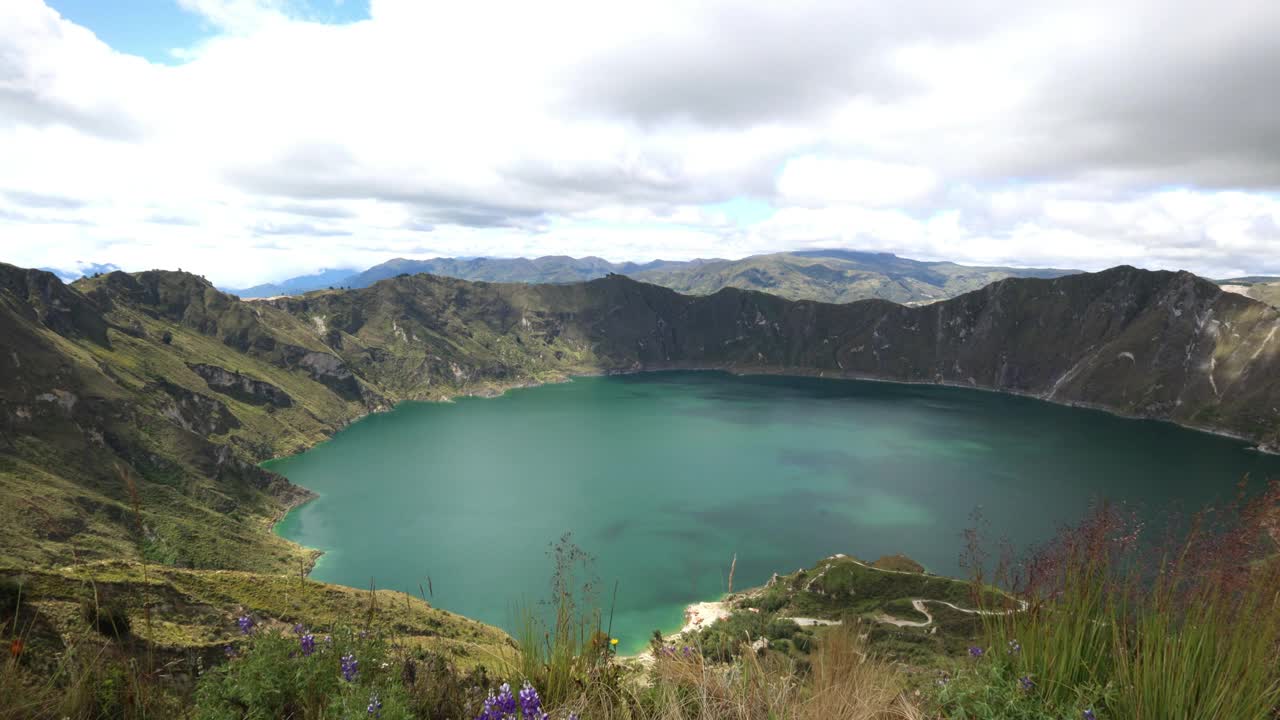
(1115,627)
(137,407)
(1260,288)
(1098,623)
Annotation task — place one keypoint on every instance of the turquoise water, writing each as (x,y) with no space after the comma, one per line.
(664,477)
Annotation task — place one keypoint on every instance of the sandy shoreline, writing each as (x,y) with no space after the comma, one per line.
(701,615)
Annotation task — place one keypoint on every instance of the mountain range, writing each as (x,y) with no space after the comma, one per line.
(157,391)
(835,276)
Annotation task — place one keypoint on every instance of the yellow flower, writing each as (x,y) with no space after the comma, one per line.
(613,641)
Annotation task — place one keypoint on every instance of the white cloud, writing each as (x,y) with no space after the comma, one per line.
(814,181)
(992,131)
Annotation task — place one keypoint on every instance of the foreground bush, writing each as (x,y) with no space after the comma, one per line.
(304,675)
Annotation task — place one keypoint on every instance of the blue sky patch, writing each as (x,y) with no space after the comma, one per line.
(744,210)
(152,29)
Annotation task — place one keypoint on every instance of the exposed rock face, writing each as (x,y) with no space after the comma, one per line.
(197,413)
(241,387)
(332,372)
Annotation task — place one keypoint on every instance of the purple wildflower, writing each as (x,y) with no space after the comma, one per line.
(246,624)
(349,667)
(490,710)
(975,652)
(328,639)
(1014,647)
(506,702)
(229,651)
(308,643)
(1026,683)
(1088,715)
(298,629)
(573,716)
(530,703)
(375,705)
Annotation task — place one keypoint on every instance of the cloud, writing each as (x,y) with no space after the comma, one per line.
(816,181)
(297,229)
(39,200)
(1064,132)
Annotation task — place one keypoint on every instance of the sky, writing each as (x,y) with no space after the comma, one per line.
(253,140)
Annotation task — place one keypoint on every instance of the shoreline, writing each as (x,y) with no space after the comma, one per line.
(500,389)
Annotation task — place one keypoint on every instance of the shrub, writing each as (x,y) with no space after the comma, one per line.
(305,675)
(781,629)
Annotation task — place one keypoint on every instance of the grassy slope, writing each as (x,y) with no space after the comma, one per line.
(1268,293)
(195,611)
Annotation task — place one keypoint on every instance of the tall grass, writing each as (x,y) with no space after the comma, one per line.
(843,681)
(1181,629)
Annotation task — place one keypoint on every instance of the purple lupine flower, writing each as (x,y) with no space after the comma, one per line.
(349,667)
(1014,647)
(530,703)
(229,651)
(308,643)
(573,716)
(1088,715)
(298,629)
(375,705)
(975,652)
(328,639)
(490,710)
(246,624)
(506,702)
(1026,683)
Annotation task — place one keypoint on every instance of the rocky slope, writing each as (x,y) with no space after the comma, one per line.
(161,380)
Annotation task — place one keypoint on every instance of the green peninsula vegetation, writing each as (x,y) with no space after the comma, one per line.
(135,410)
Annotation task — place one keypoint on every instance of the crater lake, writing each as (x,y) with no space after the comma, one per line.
(665,477)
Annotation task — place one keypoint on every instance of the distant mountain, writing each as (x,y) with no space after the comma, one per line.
(836,276)
(81,270)
(1262,288)
(553,269)
(297,285)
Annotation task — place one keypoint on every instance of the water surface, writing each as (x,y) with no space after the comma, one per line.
(664,477)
